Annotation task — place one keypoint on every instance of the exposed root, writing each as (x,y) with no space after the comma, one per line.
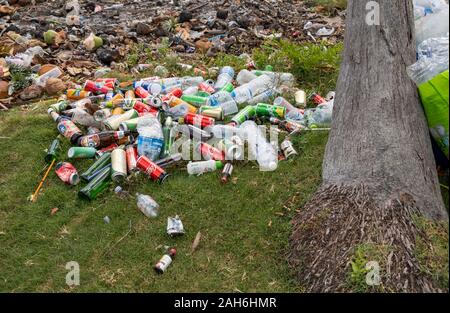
(339,219)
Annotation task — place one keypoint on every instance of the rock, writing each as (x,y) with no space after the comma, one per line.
(3,89)
(243,21)
(179,48)
(185,16)
(54,86)
(203,45)
(106,56)
(143,29)
(222,14)
(31,92)
(160,32)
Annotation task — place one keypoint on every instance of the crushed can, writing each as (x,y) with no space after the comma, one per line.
(132,156)
(288,149)
(67,173)
(174,226)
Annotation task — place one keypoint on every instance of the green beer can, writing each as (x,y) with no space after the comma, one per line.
(81,153)
(243,115)
(228,87)
(263,109)
(194,100)
(214,112)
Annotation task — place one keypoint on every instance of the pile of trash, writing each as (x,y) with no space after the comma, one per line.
(430,72)
(147,126)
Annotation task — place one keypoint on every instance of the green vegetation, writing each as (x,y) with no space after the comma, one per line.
(329,5)
(433,256)
(361,267)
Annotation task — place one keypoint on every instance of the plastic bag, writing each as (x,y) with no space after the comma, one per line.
(431,19)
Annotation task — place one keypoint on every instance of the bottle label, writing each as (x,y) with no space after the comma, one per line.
(90,141)
(67,128)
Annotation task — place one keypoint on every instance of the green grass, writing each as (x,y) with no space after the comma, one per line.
(245,224)
(329,5)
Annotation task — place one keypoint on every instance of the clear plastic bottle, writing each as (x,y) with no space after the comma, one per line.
(279,79)
(247,91)
(224,131)
(81,117)
(150,139)
(244,77)
(226,75)
(147,205)
(224,100)
(259,148)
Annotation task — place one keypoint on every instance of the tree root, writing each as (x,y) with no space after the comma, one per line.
(338,219)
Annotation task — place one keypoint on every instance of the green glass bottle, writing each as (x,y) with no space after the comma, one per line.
(101,162)
(98,184)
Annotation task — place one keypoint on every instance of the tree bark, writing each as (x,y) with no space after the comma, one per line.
(378,170)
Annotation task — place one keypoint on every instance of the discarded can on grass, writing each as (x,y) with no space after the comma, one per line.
(98,184)
(197,120)
(209,152)
(300,98)
(67,173)
(81,153)
(132,156)
(118,165)
(141,107)
(267,110)
(155,172)
(52,151)
(214,112)
(288,149)
(101,162)
(175,101)
(94,87)
(243,115)
(226,172)
(165,261)
(228,87)
(198,168)
(59,106)
(174,226)
(204,86)
(77,94)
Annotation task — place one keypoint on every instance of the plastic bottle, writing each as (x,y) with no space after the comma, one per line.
(291,112)
(226,75)
(102,139)
(224,100)
(198,168)
(147,205)
(247,91)
(286,79)
(81,117)
(53,73)
(190,90)
(224,131)
(259,148)
(168,138)
(150,139)
(244,77)
(113,122)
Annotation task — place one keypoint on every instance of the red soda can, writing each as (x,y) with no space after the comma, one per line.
(106,149)
(206,87)
(132,156)
(177,92)
(67,173)
(92,86)
(317,99)
(141,93)
(198,120)
(155,172)
(109,81)
(210,153)
(141,107)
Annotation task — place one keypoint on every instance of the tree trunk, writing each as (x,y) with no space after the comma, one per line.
(378,170)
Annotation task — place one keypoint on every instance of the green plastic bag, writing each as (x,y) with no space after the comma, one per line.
(434,95)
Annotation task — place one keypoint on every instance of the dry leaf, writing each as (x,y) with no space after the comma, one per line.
(196,241)
(74,70)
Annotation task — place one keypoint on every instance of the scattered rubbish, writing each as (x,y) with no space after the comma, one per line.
(174,226)
(53,211)
(147,205)
(196,242)
(165,261)
(107,220)
(67,173)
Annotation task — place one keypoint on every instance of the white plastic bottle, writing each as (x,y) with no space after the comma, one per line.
(198,168)
(244,77)
(224,100)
